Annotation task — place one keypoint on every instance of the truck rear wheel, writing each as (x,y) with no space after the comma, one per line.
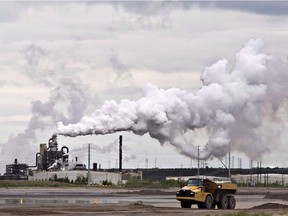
(186,204)
(223,203)
(231,202)
(208,202)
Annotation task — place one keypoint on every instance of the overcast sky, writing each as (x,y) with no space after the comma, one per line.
(59,61)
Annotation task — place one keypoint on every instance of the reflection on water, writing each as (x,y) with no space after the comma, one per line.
(25,201)
(123,199)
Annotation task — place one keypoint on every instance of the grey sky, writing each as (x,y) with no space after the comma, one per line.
(276,8)
(111,50)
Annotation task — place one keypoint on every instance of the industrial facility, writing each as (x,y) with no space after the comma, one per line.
(16,171)
(53,162)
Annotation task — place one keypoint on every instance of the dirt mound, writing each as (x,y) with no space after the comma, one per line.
(139,202)
(270,206)
(280,196)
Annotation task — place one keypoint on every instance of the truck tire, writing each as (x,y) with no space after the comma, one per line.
(231,202)
(223,202)
(186,204)
(208,202)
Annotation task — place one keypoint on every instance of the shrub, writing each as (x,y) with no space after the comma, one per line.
(81,180)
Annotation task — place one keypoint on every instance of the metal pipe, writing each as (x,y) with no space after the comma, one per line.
(37,156)
(65,147)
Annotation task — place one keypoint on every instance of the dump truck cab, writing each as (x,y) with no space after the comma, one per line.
(207,193)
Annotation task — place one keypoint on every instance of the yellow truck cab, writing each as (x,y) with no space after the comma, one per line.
(207,194)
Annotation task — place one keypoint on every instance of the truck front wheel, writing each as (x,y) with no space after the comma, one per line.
(186,204)
(231,202)
(208,202)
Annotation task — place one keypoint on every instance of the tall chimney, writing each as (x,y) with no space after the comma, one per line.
(120,153)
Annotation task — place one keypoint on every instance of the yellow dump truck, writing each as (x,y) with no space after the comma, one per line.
(207,194)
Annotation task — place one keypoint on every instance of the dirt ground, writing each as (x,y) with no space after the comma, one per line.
(108,201)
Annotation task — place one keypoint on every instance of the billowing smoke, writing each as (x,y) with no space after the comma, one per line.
(70,93)
(232,106)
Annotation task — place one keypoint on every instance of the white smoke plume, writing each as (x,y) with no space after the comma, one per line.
(72,94)
(232,106)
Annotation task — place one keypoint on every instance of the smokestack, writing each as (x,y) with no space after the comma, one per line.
(94,166)
(120,153)
(15,161)
(76,159)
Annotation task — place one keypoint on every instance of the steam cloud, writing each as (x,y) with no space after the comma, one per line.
(70,92)
(232,106)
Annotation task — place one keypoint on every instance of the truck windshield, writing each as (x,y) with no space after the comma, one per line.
(195,182)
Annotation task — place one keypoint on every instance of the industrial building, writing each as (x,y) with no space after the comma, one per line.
(51,158)
(264,179)
(96,177)
(52,162)
(132,175)
(15,171)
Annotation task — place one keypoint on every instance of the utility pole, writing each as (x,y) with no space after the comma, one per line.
(120,154)
(198,158)
(89,177)
(257,172)
(229,162)
(260,164)
(120,159)
(146,163)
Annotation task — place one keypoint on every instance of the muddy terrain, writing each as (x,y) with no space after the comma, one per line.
(108,201)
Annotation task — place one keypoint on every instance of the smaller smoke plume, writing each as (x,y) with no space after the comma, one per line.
(33,54)
(82,151)
(72,94)
(121,70)
(231,106)
(117,64)
(131,157)
(111,147)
